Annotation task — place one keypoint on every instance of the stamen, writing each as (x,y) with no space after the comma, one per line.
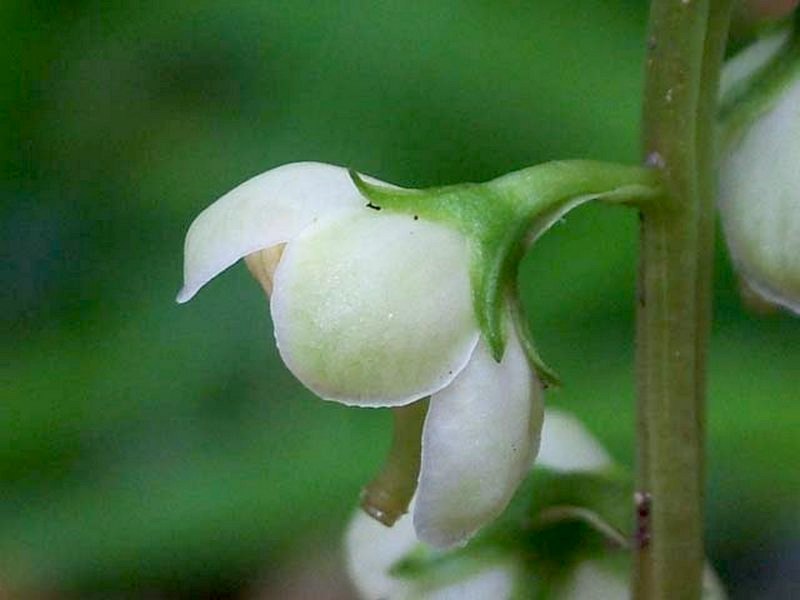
(262,265)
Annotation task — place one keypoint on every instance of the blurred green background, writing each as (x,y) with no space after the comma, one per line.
(151,450)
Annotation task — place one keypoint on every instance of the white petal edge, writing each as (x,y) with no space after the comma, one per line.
(760,202)
(374,309)
(371,549)
(271,208)
(568,446)
(479,440)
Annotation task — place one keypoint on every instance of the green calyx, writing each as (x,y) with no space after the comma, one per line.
(500,219)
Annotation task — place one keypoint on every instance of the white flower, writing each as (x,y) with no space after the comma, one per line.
(375,309)
(760,200)
(372,550)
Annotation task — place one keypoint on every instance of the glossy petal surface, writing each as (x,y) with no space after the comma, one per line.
(374,309)
(268,209)
(479,440)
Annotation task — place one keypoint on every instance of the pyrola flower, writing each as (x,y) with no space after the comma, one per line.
(375,309)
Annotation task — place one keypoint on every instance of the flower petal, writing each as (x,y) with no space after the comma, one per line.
(760,202)
(371,551)
(568,446)
(268,209)
(479,440)
(374,309)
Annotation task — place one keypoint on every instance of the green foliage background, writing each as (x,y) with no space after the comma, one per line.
(146,446)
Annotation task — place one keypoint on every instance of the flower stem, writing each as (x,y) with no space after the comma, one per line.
(685,45)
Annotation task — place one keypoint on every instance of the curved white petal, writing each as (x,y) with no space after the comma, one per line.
(479,440)
(760,201)
(268,209)
(568,446)
(374,309)
(371,549)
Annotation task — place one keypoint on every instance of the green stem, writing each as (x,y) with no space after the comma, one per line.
(686,41)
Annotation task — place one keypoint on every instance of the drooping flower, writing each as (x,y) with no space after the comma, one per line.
(760,180)
(381,561)
(375,309)
(383,297)
(372,550)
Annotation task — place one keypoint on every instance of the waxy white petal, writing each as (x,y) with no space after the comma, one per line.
(760,201)
(374,309)
(568,446)
(479,440)
(269,209)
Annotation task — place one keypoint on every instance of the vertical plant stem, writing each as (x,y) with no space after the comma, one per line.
(685,43)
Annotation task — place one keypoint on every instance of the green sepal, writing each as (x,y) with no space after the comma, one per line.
(502,217)
(492,227)
(546,375)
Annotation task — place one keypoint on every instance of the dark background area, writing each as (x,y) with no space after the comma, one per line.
(151,450)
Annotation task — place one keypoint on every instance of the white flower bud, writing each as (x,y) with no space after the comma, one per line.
(760,200)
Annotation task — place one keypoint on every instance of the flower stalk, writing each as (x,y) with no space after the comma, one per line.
(686,41)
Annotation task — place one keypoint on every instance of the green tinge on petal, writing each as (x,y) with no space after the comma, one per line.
(479,440)
(266,210)
(760,201)
(375,309)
